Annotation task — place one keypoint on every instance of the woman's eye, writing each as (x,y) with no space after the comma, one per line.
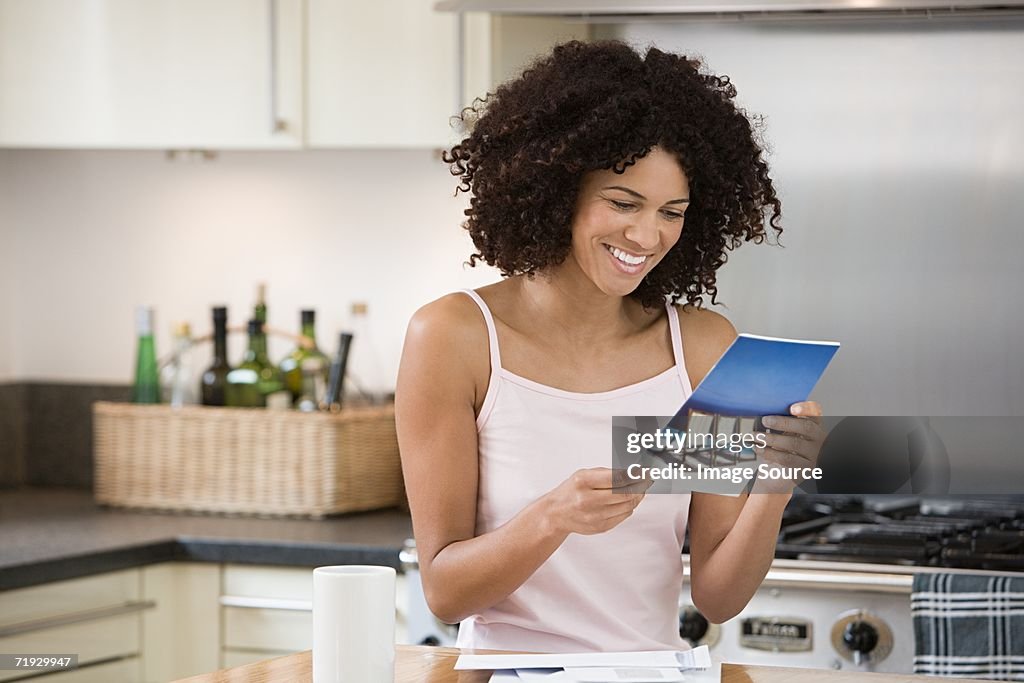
(624,206)
(672,215)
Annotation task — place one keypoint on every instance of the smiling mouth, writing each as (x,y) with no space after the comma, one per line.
(630,263)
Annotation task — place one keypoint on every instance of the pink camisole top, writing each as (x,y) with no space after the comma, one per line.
(615,591)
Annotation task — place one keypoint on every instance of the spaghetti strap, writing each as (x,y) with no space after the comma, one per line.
(492,331)
(677,343)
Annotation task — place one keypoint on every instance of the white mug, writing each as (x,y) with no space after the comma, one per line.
(353,624)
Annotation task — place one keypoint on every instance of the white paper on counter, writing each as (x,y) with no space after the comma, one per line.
(529,676)
(542,676)
(600,674)
(698,658)
(590,674)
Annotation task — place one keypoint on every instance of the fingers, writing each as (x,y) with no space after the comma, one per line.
(599,477)
(620,478)
(593,484)
(613,515)
(623,505)
(638,486)
(807,428)
(597,505)
(603,478)
(794,442)
(787,459)
(613,522)
(806,409)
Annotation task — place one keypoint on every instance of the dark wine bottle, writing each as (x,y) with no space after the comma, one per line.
(146,387)
(336,378)
(214,381)
(255,378)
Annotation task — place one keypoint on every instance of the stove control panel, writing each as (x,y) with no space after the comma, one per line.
(776,634)
(861,637)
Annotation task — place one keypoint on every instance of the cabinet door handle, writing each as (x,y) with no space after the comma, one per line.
(276,124)
(23,627)
(266,603)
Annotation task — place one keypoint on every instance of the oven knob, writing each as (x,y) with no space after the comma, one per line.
(692,626)
(861,637)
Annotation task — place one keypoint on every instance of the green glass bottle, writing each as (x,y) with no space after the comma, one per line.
(146,387)
(259,311)
(305,368)
(215,379)
(255,378)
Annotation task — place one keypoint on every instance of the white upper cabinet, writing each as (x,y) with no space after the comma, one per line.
(251,74)
(151,73)
(381,74)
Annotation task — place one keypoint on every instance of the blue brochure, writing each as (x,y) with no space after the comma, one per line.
(759,376)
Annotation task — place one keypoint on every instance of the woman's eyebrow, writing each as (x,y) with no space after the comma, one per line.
(636,194)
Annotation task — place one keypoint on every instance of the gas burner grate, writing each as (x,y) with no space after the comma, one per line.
(956,533)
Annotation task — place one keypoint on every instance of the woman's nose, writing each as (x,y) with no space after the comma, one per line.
(643,232)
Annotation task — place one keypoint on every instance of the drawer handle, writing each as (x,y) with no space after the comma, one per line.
(75,618)
(266,603)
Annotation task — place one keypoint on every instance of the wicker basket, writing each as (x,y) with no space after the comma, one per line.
(245,460)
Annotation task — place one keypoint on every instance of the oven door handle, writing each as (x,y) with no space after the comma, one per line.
(835,580)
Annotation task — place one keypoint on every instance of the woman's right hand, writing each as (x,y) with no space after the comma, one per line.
(594,500)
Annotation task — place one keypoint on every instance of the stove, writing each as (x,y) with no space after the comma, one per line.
(838,594)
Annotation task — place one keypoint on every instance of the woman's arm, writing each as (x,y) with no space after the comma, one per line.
(732,544)
(439,390)
(732,539)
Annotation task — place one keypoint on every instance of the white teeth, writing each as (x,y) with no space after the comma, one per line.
(626,258)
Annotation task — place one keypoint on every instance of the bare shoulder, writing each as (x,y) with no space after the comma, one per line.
(454,318)
(708,325)
(446,342)
(706,335)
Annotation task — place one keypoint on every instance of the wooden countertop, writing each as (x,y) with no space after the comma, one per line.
(417,664)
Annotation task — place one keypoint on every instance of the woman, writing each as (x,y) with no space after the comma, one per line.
(606,187)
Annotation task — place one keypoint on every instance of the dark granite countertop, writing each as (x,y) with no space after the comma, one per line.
(53,534)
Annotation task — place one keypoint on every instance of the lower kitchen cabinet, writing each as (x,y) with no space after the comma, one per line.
(164,621)
(181,634)
(99,618)
(265,611)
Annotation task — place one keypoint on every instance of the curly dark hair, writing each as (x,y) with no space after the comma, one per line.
(601,105)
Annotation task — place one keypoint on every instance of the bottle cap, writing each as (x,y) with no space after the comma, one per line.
(144,320)
(308,316)
(359,308)
(183,330)
(220,313)
(255,327)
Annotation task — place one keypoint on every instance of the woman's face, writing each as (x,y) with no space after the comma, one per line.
(625,223)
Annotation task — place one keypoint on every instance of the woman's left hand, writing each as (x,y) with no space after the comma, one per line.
(792,442)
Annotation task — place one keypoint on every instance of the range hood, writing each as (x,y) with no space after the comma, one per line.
(608,9)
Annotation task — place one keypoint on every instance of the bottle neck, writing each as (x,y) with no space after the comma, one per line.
(181,345)
(309,331)
(257,347)
(220,342)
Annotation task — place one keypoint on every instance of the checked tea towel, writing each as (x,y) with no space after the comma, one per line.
(969,625)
